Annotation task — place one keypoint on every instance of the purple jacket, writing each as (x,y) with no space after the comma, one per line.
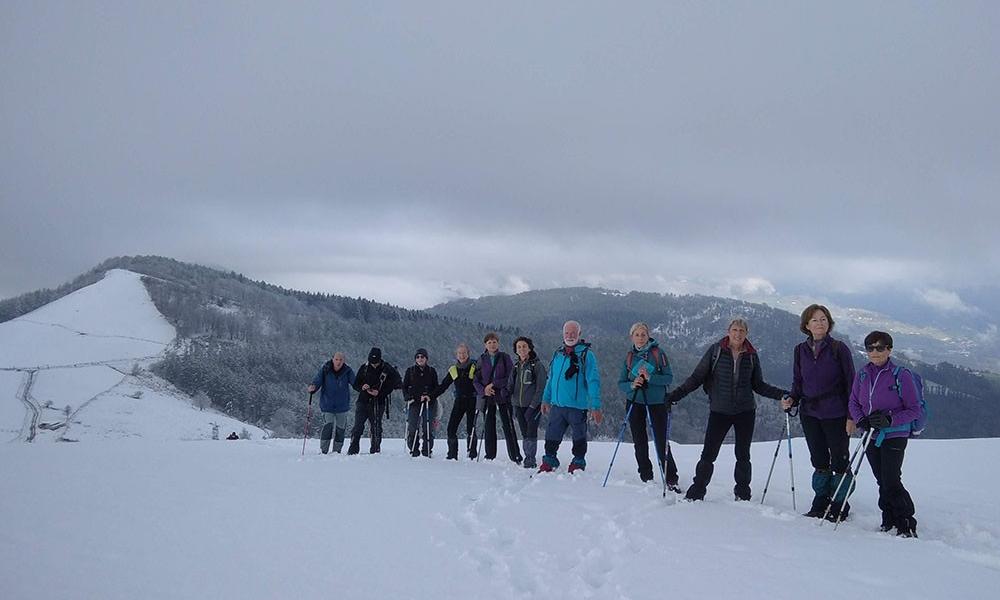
(487,372)
(875,389)
(822,384)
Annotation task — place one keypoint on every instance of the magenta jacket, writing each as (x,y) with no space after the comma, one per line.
(875,389)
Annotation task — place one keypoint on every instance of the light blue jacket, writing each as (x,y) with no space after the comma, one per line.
(583,389)
(660,376)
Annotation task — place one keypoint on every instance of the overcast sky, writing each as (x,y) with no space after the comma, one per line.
(418,151)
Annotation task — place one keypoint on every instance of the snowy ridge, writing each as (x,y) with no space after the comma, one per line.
(75,369)
(255,520)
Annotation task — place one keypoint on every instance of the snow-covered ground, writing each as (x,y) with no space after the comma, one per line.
(252,519)
(75,370)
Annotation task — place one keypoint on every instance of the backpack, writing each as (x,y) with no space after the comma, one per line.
(709,380)
(916,426)
(654,353)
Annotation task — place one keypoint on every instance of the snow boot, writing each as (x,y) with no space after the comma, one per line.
(907,528)
(695,492)
(324,438)
(545,468)
(575,466)
(338,440)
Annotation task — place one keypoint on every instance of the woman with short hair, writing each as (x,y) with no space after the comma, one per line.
(644,378)
(730,372)
(884,399)
(822,376)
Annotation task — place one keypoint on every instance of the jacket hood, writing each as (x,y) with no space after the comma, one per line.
(747,346)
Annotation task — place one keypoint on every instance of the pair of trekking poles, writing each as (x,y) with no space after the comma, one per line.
(621,437)
(859,454)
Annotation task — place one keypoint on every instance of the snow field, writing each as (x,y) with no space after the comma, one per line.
(256,520)
(79,352)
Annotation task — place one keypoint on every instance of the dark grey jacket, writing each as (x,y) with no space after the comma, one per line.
(730,391)
(526,383)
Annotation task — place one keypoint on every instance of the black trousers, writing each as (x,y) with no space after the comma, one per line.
(829,454)
(367,411)
(509,433)
(463,408)
(637,424)
(893,499)
(718,426)
(828,442)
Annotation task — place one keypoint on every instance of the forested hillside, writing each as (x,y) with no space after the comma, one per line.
(250,347)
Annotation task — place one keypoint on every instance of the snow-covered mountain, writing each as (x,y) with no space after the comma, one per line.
(255,520)
(75,369)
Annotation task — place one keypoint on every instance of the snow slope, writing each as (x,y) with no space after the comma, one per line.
(251,519)
(73,370)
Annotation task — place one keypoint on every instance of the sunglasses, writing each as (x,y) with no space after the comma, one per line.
(877,348)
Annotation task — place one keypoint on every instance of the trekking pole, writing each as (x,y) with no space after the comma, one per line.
(854,477)
(663,473)
(416,432)
(305,430)
(850,463)
(773,461)
(479,441)
(791,469)
(621,436)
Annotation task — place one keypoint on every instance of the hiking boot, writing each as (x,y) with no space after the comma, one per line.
(815,513)
(574,467)
(673,487)
(545,467)
(836,514)
(885,528)
(694,493)
(645,477)
(907,528)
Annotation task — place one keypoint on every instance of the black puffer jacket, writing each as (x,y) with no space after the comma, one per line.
(730,391)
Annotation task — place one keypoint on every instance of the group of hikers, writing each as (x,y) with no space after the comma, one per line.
(832,401)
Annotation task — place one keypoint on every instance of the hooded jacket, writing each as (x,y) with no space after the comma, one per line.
(335,396)
(582,389)
(660,375)
(527,381)
(875,389)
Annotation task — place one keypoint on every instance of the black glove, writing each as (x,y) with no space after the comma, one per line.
(863,424)
(672,397)
(879,420)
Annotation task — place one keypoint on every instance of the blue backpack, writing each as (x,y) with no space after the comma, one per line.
(916,426)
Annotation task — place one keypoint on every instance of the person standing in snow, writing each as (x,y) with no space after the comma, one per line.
(490,380)
(335,380)
(461,374)
(644,379)
(419,389)
(730,373)
(572,394)
(374,383)
(822,376)
(527,380)
(885,400)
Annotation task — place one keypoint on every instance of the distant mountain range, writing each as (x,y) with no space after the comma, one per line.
(251,347)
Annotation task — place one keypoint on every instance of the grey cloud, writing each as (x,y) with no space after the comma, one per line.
(368,149)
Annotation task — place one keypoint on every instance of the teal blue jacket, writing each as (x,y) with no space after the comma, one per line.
(582,389)
(658,367)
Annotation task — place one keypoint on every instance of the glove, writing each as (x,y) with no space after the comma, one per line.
(879,420)
(673,398)
(863,423)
